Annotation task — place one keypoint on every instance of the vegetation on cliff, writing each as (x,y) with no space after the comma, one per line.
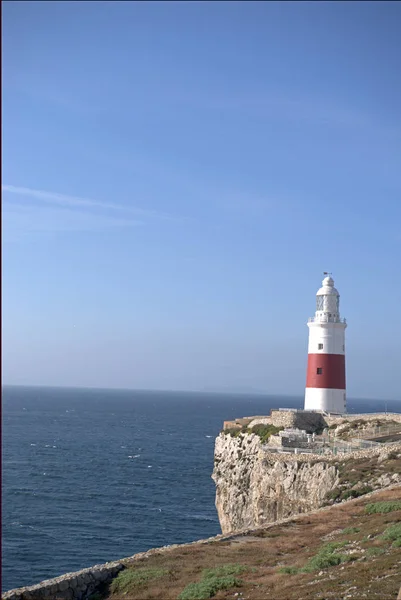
(359,476)
(263,431)
(350,551)
(348,429)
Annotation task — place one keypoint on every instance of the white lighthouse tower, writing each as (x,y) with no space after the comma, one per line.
(325,379)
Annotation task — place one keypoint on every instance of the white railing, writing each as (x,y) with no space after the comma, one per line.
(321,447)
(326,320)
(379,431)
(382,412)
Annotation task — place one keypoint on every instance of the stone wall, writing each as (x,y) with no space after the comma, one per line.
(72,586)
(307,420)
(283,418)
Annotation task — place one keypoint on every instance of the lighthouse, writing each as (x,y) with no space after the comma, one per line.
(325,379)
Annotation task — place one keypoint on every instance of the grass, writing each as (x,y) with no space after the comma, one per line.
(213,580)
(223,571)
(356,493)
(235,431)
(130,578)
(351,530)
(393,533)
(280,552)
(326,557)
(207,588)
(375,551)
(364,472)
(382,507)
(338,495)
(288,570)
(263,431)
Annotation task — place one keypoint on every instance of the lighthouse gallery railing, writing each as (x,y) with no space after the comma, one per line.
(326,320)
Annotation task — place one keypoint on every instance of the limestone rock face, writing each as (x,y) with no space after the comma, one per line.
(255,487)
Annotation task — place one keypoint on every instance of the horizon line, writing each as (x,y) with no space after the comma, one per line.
(171,391)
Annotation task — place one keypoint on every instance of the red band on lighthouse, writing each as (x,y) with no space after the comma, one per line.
(326,371)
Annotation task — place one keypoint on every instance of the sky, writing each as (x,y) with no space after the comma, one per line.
(176,178)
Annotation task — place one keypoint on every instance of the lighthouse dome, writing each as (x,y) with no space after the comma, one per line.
(328,281)
(327,288)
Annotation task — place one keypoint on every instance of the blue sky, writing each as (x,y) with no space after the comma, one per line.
(176,178)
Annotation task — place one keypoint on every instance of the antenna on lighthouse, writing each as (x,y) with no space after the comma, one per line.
(327,273)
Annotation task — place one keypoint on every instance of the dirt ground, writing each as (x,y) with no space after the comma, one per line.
(374,572)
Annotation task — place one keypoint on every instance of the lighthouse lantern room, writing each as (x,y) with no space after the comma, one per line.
(325,380)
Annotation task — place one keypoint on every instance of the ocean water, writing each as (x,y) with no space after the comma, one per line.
(91,476)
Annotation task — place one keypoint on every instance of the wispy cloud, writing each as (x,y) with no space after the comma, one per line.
(20,219)
(51,213)
(56,198)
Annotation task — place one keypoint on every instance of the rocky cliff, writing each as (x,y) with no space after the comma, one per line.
(255,486)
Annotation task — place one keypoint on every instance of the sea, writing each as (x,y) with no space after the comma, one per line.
(90,475)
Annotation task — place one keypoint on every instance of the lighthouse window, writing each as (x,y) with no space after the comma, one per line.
(319,371)
(320,346)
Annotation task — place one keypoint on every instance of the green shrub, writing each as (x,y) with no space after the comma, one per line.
(224,571)
(349,557)
(350,494)
(393,533)
(265,431)
(326,557)
(129,578)
(356,493)
(288,570)
(213,580)
(350,530)
(374,551)
(233,431)
(383,507)
(207,588)
(397,543)
(334,494)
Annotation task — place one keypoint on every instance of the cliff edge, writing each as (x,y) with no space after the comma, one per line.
(256,484)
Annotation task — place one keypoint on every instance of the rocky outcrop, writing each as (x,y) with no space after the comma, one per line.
(255,486)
